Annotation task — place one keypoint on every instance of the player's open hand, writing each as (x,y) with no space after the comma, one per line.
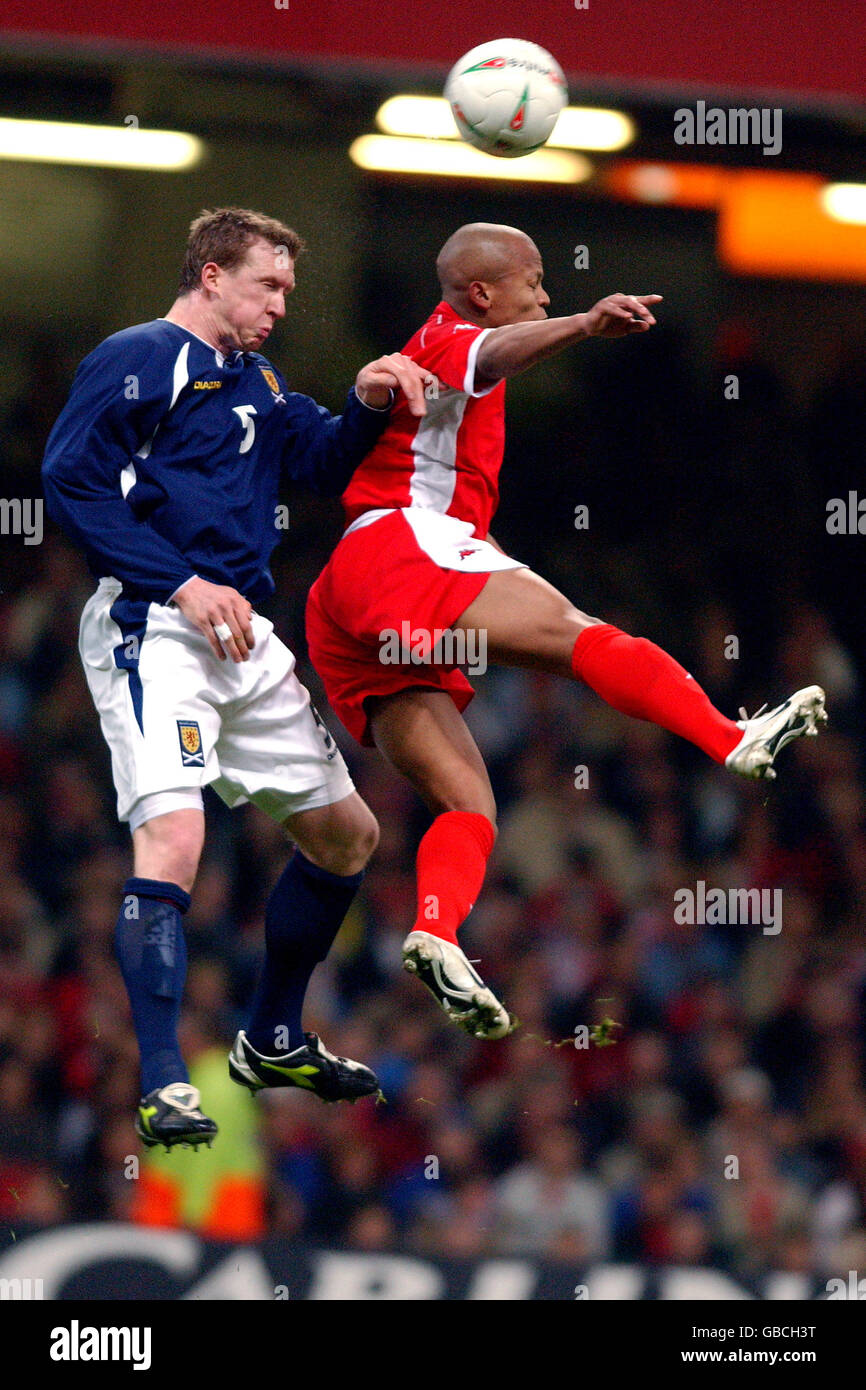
(397,372)
(620,314)
(221,613)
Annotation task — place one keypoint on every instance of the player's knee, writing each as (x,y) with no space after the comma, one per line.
(556,636)
(178,864)
(569,624)
(168,848)
(344,846)
(364,840)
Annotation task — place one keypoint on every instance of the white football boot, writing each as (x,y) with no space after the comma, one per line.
(765,735)
(455,985)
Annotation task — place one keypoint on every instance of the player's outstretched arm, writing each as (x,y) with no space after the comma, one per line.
(321,450)
(516,346)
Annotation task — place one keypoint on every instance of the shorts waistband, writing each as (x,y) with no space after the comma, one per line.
(367,518)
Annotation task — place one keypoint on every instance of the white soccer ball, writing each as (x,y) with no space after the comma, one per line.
(506,96)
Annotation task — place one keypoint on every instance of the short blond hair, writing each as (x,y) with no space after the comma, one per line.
(223,235)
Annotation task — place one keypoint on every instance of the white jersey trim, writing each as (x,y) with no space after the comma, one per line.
(472,357)
(367,518)
(179,379)
(434,449)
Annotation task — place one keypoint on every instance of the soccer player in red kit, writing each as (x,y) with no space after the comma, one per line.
(417,560)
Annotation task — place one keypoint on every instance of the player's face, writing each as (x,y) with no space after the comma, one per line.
(252,295)
(519,296)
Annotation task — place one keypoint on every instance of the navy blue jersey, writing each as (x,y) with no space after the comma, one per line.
(167,458)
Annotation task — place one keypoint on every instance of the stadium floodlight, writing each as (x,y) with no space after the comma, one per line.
(394,154)
(578,127)
(846,202)
(592,128)
(427,118)
(117,147)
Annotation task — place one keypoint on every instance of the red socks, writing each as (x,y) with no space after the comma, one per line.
(631,674)
(451,863)
(638,678)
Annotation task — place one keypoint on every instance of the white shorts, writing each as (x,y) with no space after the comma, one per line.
(177,719)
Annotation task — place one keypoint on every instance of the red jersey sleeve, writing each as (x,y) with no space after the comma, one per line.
(449,350)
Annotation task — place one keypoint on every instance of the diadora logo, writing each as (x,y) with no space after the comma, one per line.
(207,385)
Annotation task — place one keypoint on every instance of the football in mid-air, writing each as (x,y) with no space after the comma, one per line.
(506,96)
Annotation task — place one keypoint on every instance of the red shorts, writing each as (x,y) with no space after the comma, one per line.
(383,579)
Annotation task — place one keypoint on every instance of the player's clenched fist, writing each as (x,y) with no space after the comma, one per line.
(221,613)
(618,314)
(395,371)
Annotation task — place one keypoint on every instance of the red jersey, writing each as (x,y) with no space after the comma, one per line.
(449,460)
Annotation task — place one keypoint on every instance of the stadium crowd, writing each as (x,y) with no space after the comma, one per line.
(724,1124)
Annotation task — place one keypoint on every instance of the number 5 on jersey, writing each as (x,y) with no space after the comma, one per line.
(245,414)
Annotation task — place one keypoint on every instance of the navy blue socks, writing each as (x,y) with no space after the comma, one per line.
(152,953)
(303,915)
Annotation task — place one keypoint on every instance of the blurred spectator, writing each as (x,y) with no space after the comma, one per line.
(546,1196)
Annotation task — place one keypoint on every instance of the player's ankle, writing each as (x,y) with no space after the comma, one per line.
(444,930)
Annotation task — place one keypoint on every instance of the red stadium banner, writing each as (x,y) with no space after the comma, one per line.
(798,47)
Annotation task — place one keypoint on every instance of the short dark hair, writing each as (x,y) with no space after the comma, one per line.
(223,236)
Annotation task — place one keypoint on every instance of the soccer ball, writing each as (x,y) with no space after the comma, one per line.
(506,96)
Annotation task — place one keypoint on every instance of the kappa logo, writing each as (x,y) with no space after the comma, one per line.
(191,748)
(271,379)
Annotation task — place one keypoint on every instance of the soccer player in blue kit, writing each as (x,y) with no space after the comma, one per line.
(164,466)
